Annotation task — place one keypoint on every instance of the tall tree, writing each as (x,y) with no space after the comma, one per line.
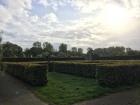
(89,50)
(36,50)
(63,48)
(27,53)
(37,44)
(47,48)
(89,53)
(11,50)
(74,51)
(80,51)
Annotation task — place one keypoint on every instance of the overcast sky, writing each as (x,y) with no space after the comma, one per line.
(81,23)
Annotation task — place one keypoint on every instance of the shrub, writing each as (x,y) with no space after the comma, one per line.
(79,69)
(117,75)
(33,74)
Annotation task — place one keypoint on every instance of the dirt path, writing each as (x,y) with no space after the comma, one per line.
(13,92)
(131,97)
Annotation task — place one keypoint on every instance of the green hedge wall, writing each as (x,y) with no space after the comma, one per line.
(41,59)
(33,74)
(134,57)
(79,69)
(113,76)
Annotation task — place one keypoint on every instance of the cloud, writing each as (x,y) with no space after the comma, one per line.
(51,17)
(87,30)
(43,2)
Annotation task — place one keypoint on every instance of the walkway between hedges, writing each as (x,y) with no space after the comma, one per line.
(129,97)
(13,92)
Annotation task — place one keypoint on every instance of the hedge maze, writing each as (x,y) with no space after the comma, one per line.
(110,73)
(107,73)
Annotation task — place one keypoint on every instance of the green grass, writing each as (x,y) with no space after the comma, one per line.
(65,89)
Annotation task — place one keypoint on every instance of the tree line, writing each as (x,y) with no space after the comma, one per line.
(112,51)
(39,49)
(46,49)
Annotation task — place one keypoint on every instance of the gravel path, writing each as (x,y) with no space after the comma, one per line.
(131,97)
(13,92)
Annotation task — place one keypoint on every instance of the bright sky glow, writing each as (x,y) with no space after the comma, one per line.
(115,15)
(116,18)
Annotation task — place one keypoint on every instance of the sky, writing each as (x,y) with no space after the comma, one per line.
(80,23)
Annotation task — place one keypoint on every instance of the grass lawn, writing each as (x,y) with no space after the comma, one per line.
(65,89)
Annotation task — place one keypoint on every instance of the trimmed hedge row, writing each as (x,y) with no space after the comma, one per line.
(118,75)
(41,59)
(79,69)
(33,74)
(110,74)
(135,57)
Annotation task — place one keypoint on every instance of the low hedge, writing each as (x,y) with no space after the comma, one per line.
(134,57)
(41,59)
(118,75)
(79,69)
(33,74)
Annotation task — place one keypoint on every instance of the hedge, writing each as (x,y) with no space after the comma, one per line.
(118,75)
(41,59)
(134,57)
(33,74)
(79,69)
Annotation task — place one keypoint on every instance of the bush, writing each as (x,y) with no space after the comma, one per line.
(79,69)
(34,74)
(117,75)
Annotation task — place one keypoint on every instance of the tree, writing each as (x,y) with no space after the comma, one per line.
(0,46)
(47,48)
(63,48)
(131,52)
(101,52)
(37,44)
(110,51)
(89,50)
(74,51)
(80,51)
(27,53)
(11,50)
(116,51)
(36,50)
(90,53)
